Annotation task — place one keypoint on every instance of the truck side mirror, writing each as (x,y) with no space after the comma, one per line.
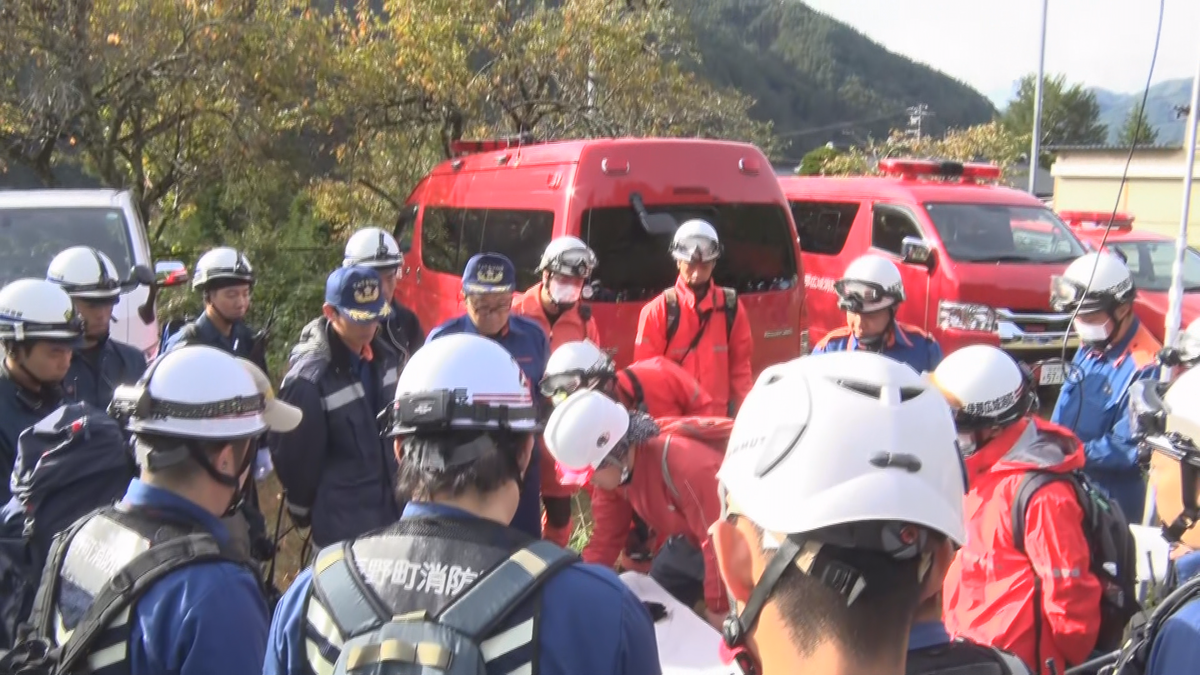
(141,275)
(169,273)
(916,251)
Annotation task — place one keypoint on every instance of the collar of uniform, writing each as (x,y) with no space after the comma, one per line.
(470,327)
(927,634)
(688,298)
(155,498)
(433,510)
(208,333)
(48,398)
(1187,566)
(1118,350)
(340,354)
(894,334)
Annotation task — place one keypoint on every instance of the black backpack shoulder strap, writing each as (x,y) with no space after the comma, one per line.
(672,300)
(731,308)
(129,584)
(1030,483)
(337,583)
(476,612)
(585,313)
(639,394)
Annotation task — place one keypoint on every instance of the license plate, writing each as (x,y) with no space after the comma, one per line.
(1052,374)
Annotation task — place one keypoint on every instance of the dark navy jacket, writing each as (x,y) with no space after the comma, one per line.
(97,371)
(589,621)
(530,347)
(335,466)
(907,344)
(19,410)
(403,331)
(202,331)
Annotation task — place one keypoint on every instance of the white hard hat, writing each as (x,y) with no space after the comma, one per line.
(572,364)
(36,309)
(841,438)
(222,263)
(85,272)
(985,387)
(568,256)
(372,247)
(1188,343)
(202,393)
(584,429)
(1111,284)
(696,239)
(465,382)
(870,283)
(1183,406)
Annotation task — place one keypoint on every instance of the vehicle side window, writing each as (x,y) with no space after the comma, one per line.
(889,227)
(403,232)
(449,237)
(824,226)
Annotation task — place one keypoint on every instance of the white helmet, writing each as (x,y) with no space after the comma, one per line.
(36,309)
(202,393)
(870,283)
(222,263)
(372,247)
(462,382)
(85,272)
(985,387)
(841,438)
(574,365)
(568,256)
(1183,407)
(1111,284)
(696,239)
(584,429)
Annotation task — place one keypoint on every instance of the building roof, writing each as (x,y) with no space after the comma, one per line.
(1111,147)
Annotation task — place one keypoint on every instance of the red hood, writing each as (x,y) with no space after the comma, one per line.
(1152,310)
(1031,444)
(1008,285)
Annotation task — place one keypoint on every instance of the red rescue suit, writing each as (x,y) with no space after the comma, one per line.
(663,389)
(988,594)
(722,366)
(692,467)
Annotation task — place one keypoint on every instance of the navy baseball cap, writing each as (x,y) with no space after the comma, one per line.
(489,273)
(357,293)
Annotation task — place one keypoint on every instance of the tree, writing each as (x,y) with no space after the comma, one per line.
(1070,114)
(1137,130)
(992,142)
(814,161)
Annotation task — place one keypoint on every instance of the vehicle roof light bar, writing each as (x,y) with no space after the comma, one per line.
(912,169)
(470,147)
(1088,220)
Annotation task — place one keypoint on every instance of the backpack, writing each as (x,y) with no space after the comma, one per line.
(415,643)
(172,326)
(34,655)
(963,657)
(1113,551)
(711,431)
(672,299)
(1134,656)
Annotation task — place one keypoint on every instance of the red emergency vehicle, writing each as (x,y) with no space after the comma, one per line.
(624,197)
(976,258)
(1151,259)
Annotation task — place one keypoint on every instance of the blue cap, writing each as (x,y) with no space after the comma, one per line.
(357,293)
(489,273)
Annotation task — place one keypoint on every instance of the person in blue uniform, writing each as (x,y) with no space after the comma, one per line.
(101,363)
(464,423)
(488,283)
(374,248)
(39,330)
(194,416)
(1116,352)
(336,470)
(870,292)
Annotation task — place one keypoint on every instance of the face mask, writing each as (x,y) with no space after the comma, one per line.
(564,294)
(966,444)
(1090,332)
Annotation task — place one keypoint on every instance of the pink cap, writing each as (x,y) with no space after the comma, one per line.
(573,477)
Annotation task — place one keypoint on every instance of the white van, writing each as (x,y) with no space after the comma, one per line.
(35,225)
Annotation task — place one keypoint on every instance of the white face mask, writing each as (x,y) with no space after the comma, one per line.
(1091,332)
(564,294)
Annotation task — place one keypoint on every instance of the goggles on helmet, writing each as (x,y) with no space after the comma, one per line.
(562,383)
(859,296)
(693,249)
(576,262)
(1067,294)
(445,409)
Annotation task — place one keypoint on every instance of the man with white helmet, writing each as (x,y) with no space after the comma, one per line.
(698,324)
(1116,351)
(988,596)
(554,304)
(841,481)
(464,424)
(39,330)
(190,605)
(374,248)
(100,364)
(870,292)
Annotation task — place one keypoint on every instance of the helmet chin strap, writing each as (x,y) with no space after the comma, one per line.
(876,343)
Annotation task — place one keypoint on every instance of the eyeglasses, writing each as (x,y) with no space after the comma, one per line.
(489,306)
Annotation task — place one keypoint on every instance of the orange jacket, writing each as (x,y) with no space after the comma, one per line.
(569,327)
(666,390)
(721,366)
(988,595)
(692,466)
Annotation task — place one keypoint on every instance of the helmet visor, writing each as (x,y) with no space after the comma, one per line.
(862,296)
(1065,294)
(696,249)
(576,262)
(561,384)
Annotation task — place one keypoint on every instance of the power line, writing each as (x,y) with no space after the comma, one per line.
(842,125)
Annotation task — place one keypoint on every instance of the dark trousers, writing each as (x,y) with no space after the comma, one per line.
(679,568)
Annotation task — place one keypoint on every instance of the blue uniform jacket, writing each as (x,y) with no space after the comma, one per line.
(907,344)
(1177,647)
(336,464)
(203,619)
(97,371)
(19,410)
(1095,405)
(528,344)
(590,621)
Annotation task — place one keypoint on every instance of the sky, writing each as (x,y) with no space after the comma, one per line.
(990,44)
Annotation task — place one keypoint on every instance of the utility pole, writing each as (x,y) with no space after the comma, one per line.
(916,116)
(1035,152)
